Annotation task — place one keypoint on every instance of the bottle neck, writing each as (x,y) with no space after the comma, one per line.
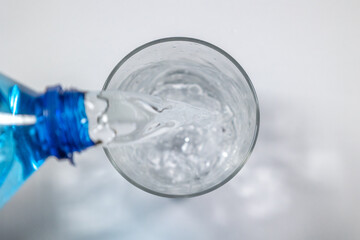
(62,124)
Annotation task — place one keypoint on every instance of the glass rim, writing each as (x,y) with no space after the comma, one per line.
(237,65)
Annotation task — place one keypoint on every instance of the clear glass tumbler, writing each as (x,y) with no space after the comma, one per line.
(193,159)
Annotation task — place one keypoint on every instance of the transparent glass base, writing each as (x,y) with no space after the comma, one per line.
(196,157)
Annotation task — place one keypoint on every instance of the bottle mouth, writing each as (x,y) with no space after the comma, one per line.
(122,71)
(62,124)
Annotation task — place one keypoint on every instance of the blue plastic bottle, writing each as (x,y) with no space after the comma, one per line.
(60,130)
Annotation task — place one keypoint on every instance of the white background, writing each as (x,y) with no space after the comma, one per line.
(300,183)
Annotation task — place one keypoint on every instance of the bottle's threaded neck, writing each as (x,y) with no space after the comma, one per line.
(62,124)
